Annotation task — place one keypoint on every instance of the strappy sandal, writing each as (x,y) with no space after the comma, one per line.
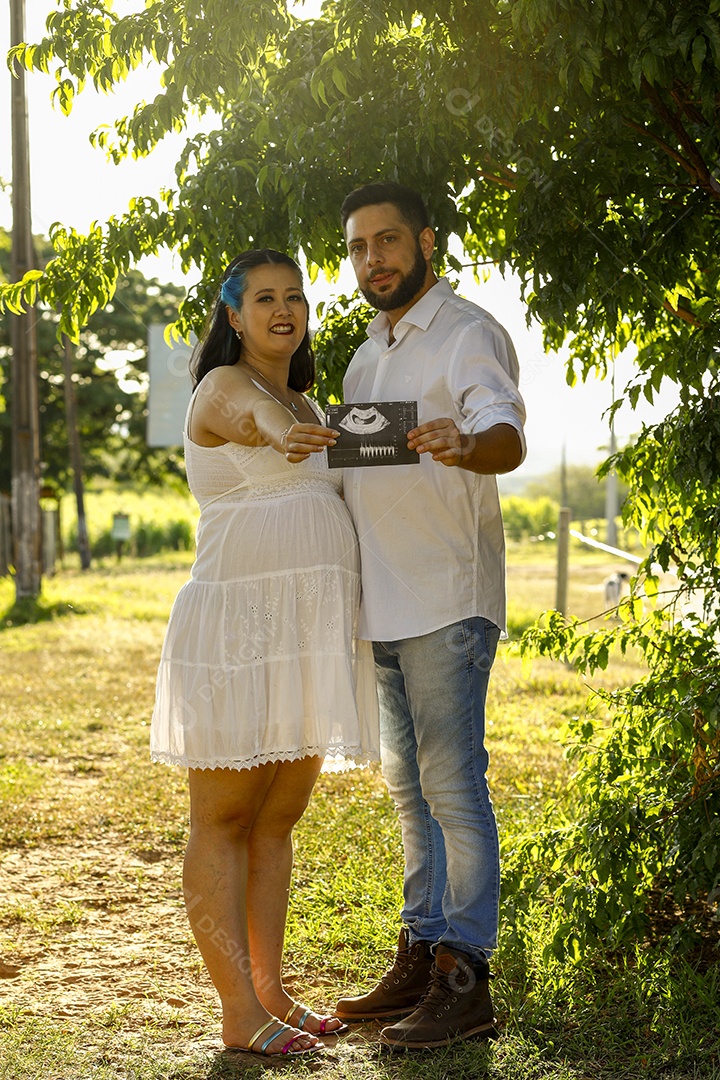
(282,1030)
(324,1021)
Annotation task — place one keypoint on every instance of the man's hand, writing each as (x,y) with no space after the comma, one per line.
(497,450)
(441,438)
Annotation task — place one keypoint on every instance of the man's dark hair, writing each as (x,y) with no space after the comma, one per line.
(408,203)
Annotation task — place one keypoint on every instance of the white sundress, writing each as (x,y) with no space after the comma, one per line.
(260,662)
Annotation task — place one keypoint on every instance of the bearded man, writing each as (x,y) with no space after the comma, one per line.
(433,579)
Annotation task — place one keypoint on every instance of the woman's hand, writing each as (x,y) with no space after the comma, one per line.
(301,440)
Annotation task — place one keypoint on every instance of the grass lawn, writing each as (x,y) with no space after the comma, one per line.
(99,976)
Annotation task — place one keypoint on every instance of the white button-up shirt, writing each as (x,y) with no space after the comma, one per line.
(431,536)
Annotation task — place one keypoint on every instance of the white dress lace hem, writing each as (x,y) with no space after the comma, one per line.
(348,755)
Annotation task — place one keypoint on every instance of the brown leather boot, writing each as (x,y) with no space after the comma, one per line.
(457,1006)
(399,990)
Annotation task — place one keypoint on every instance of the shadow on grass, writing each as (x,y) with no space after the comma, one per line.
(469,1062)
(31,610)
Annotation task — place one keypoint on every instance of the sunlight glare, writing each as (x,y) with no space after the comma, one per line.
(305,9)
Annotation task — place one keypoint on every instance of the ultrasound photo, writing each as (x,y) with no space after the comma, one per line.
(371,433)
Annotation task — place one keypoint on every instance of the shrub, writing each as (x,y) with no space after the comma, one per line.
(529,517)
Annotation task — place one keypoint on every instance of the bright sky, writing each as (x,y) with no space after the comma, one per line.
(73,183)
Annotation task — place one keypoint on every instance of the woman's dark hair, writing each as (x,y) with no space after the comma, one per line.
(219,346)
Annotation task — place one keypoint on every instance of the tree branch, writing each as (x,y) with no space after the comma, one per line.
(497,179)
(681,313)
(687,106)
(674,154)
(705,179)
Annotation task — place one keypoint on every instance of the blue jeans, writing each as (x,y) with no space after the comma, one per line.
(432,732)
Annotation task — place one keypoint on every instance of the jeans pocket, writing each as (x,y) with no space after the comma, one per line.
(480,638)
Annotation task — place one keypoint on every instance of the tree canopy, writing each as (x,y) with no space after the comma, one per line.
(576,143)
(111,383)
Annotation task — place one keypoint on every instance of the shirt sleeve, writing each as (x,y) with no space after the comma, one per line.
(483,377)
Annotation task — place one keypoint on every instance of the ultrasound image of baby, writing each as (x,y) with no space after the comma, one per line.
(372,433)
(364,421)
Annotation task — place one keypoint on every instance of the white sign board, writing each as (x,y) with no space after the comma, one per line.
(170,388)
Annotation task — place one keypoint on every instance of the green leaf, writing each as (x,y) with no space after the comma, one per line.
(650,67)
(699,51)
(340,81)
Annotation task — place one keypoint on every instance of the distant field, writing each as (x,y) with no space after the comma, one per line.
(159,518)
(529,592)
(532,582)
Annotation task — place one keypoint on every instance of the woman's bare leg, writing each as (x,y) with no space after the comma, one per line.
(270,869)
(225,804)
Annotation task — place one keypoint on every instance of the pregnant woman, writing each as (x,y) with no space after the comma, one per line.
(260,676)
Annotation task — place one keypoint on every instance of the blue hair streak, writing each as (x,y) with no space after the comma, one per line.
(232,289)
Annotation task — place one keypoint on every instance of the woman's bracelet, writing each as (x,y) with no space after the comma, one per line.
(283,437)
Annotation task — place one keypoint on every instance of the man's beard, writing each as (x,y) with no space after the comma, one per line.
(404,292)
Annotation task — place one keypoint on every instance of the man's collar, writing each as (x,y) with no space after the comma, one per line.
(421,314)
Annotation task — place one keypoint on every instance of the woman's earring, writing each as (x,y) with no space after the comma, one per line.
(238,335)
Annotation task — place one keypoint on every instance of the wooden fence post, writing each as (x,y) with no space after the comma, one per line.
(563,551)
(5,535)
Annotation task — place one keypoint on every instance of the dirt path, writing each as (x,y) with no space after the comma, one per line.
(98,932)
(96,926)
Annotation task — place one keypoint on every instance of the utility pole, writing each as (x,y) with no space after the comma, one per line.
(75,452)
(25,413)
